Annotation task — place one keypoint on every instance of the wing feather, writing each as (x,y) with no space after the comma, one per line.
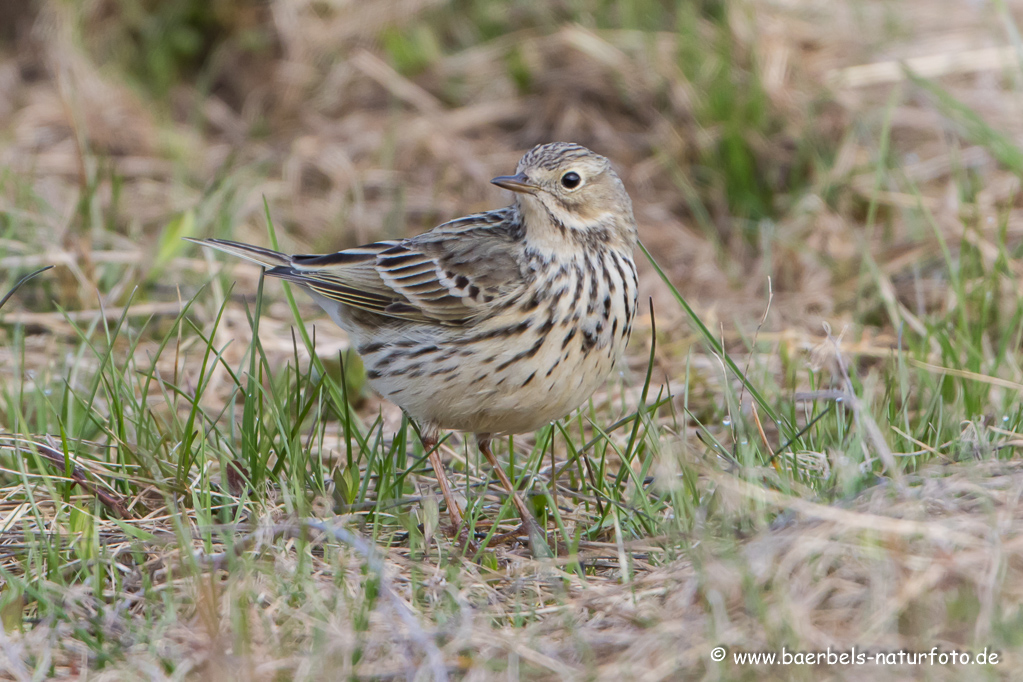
(456,272)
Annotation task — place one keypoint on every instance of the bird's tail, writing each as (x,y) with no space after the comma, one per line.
(256,254)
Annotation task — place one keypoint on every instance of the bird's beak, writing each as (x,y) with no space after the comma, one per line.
(516,183)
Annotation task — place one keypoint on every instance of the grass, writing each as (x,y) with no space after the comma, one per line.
(195,481)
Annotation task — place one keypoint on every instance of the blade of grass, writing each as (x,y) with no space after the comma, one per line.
(711,340)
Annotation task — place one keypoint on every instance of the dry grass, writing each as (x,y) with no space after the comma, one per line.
(782,143)
(902,567)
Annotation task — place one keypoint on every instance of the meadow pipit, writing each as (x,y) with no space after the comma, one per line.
(496,323)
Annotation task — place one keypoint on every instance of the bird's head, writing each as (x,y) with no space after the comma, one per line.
(569,191)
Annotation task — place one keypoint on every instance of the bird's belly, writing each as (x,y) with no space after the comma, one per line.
(486,403)
(488,390)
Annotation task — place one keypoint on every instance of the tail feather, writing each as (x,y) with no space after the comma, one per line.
(265,257)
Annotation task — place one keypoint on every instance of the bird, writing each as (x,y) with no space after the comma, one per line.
(495,323)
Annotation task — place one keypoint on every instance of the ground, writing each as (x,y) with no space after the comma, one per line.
(811,450)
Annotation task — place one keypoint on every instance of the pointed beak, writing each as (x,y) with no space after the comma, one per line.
(516,183)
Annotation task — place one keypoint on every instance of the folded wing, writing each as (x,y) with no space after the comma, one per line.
(457,272)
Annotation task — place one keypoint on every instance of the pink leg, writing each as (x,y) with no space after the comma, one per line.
(537,537)
(430,444)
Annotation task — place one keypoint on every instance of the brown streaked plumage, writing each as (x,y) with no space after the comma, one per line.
(495,323)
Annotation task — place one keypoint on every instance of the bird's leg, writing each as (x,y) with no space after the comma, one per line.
(537,537)
(430,445)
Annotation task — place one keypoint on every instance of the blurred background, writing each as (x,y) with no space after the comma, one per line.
(749,133)
(125,122)
(849,162)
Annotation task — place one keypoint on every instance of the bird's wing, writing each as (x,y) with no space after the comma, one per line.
(460,270)
(457,272)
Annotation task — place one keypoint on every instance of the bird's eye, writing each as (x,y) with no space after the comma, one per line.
(571,180)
